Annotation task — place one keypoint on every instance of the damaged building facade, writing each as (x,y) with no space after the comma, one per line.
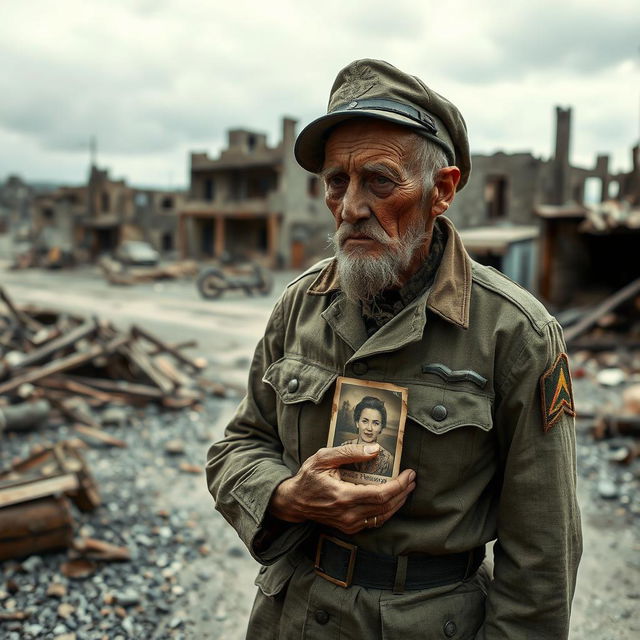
(528,217)
(254,202)
(76,224)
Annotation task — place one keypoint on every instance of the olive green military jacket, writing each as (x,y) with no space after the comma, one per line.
(476,344)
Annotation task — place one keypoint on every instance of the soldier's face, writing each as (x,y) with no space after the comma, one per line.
(372,187)
(369,425)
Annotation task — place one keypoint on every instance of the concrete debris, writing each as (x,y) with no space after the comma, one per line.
(611,377)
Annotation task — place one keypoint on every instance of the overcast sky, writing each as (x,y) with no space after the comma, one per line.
(155,79)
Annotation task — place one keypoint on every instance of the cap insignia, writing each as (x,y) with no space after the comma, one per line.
(356,82)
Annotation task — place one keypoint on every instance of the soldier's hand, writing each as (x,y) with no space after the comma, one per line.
(317,493)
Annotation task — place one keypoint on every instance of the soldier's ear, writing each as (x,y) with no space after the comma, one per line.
(444,189)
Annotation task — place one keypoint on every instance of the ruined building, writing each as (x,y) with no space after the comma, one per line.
(254,202)
(87,221)
(524,215)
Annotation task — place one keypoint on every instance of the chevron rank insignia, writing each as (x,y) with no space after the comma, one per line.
(556,392)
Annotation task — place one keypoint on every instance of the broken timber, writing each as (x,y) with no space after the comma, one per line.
(624,294)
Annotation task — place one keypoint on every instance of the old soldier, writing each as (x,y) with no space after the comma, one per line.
(489,448)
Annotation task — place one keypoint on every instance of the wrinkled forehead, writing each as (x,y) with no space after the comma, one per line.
(367,139)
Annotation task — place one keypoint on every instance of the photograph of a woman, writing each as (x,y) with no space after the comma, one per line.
(370,418)
(369,412)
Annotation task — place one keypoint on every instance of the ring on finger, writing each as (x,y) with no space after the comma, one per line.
(375,521)
(366,522)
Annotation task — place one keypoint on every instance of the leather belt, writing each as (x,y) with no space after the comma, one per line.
(344,564)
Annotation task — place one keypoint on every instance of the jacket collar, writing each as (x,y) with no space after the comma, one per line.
(450,294)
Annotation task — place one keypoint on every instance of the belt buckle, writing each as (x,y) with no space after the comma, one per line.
(352,548)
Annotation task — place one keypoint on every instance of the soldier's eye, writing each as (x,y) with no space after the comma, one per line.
(337,181)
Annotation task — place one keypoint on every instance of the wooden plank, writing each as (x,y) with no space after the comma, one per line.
(100,435)
(20,316)
(169,370)
(38,489)
(163,346)
(178,346)
(144,391)
(143,362)
(86,330)
(607,305)
(64,383)
(63,364)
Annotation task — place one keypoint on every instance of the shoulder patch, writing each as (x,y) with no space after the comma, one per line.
(556,392)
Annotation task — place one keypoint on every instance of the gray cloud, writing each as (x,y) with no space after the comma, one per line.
(153,78)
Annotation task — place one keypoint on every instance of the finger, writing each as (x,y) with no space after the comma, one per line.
(380,494)
(376,520)
(353,521)
(329,458)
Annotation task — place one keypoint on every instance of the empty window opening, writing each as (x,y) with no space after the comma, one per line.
(495,196)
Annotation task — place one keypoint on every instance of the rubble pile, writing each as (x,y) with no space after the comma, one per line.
(611,214)
(132,566)
(117,273)
(78,365)
(604,345)
(89,443)
(69,373)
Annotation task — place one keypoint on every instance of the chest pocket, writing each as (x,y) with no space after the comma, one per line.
(442,409)
(301,384)
(449,441)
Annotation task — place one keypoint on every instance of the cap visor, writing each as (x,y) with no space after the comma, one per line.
(309,146)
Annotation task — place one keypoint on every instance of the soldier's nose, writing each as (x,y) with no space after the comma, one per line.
(354,205)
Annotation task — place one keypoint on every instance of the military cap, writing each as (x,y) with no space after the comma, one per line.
(376,89)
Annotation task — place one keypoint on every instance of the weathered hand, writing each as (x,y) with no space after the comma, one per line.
(317,493)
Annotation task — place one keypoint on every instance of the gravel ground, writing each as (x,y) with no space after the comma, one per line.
(183,558)
(191,578)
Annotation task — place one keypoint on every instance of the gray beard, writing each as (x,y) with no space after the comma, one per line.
(362,276)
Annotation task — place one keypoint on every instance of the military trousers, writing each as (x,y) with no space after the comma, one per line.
(294,603)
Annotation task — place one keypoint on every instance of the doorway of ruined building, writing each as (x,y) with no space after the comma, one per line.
(613,260)
(105,240)
(247,238)
(495,196)
(206,233)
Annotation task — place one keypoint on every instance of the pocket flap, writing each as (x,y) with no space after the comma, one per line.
(272,579)
(297,380)
(442,409)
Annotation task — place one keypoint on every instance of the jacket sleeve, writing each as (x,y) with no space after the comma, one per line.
(245,467)
(539,540)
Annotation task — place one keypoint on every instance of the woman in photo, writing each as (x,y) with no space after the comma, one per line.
(370,417)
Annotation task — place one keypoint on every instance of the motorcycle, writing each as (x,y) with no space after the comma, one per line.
(213,281)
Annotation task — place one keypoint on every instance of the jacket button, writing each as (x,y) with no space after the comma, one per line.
(322,617)
(439,412)
(293,385)
(360,368)
(450,628)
